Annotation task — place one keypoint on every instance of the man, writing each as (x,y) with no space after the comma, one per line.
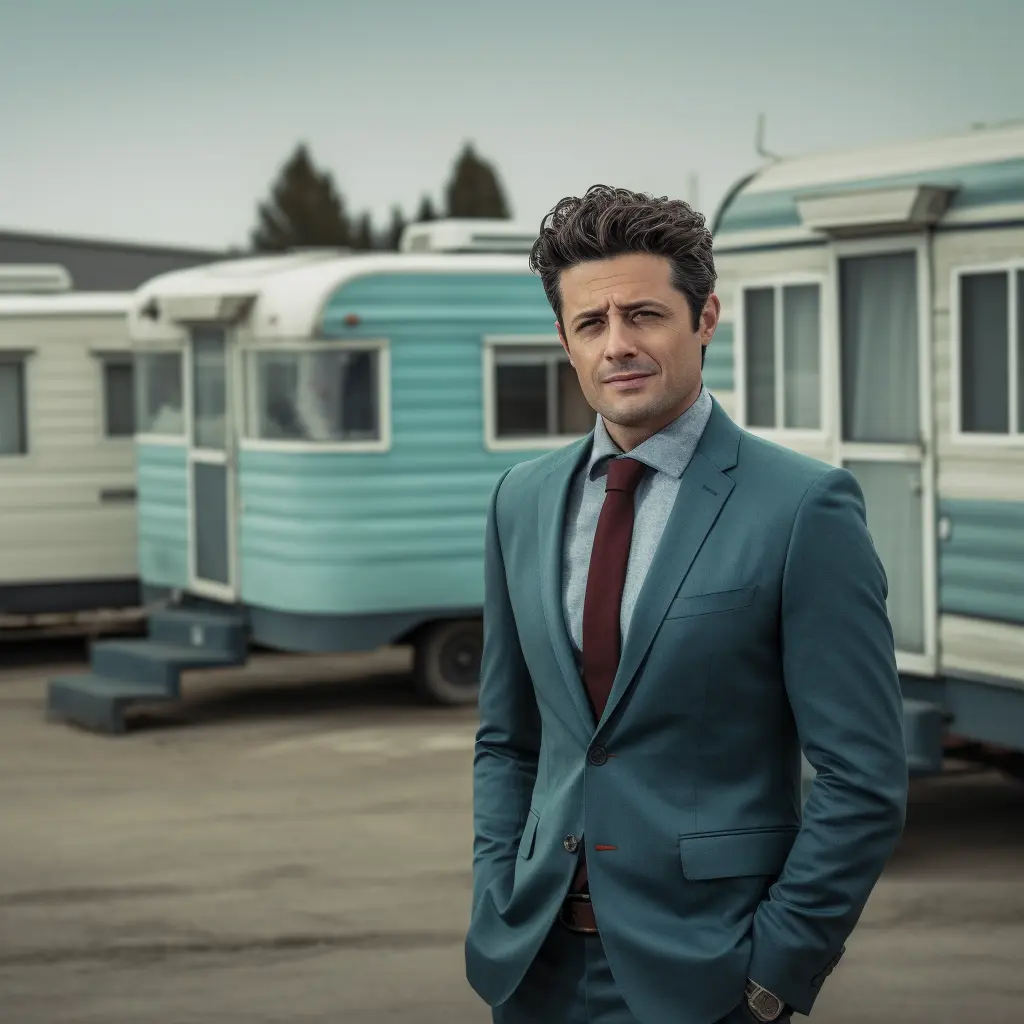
(674,608)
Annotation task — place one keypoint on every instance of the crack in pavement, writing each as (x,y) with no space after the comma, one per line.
(149,952)
(258,879)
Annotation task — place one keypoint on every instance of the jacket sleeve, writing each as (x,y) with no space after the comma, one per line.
(841,679)
(508,738)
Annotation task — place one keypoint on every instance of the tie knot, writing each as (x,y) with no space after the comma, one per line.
(624,475)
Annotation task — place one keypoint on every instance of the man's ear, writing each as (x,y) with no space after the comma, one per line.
(561,338)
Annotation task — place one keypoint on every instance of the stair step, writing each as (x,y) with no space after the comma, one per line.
(95,702)
(194,628)
(151,663)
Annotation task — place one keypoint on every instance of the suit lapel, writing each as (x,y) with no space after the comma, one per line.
(554,496)
(703,490)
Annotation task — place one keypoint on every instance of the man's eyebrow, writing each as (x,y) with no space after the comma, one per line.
(628,307)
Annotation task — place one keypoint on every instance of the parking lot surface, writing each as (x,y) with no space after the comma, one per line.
(292,844)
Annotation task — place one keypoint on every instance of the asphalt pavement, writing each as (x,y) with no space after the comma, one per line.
(292,845)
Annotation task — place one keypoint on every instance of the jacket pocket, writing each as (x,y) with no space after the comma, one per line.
(717,601)
(761,851)
(529,836)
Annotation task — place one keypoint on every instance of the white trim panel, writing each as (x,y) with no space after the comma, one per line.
(980,647)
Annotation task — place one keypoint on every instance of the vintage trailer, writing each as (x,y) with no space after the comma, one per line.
(67,464)
(317,439)
(873,307)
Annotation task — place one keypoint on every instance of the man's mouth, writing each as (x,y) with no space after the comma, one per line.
(623,381)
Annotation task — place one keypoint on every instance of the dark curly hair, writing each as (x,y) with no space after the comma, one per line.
(608,222)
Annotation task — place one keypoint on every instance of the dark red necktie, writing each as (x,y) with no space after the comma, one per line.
(606,578)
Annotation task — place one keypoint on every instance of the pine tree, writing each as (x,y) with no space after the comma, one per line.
(393,237)
(304,209)
(426,211)
(473,189)
(363,240)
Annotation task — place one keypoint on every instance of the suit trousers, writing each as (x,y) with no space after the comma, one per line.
(570,982)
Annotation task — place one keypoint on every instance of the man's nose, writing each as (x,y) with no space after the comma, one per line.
(620,341)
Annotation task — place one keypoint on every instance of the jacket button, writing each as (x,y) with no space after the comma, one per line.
(598,756)
(571,843)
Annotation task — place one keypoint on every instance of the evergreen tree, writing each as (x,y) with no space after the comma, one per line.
(393,237)
(426,211)
(473,189)
(363,240)
(304,209)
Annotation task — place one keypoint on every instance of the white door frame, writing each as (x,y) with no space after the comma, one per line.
(228,458)
(913,662)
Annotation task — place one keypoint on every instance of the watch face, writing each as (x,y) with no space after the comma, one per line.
(767,1006)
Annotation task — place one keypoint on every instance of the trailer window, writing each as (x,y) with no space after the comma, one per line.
(158,394)
(317,395)
(118,396)
(991,352)
(537,395)
(781,338)
(13,433)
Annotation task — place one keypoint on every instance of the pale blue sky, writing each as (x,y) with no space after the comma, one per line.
(167,120)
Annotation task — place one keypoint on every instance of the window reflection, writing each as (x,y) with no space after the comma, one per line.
(326,396)
(158,394)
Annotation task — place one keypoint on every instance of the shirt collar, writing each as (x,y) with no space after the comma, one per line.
(668,451)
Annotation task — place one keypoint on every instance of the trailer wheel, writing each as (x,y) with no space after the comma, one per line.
(447,661)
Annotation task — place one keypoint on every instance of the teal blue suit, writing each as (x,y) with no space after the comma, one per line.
(760,630)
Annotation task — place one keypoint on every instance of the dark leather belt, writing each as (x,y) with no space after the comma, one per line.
(577,914)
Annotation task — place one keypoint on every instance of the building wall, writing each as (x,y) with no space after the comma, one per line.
(99,265)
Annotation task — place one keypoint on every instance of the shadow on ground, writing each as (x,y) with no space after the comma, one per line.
(965,810)
(321,700)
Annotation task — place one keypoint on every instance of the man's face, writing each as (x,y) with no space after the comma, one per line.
(629,334)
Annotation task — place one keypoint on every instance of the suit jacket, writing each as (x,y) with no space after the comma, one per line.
(760,630)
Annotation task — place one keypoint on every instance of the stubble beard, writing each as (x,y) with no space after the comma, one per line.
(636,415)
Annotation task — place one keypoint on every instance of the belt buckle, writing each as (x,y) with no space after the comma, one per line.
(568,915)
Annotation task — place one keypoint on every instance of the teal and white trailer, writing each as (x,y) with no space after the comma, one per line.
(317,439)
(873,307)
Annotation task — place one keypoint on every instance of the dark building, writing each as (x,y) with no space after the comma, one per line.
(101,266)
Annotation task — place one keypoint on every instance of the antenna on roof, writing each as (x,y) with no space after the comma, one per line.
(759,141)
(692,187)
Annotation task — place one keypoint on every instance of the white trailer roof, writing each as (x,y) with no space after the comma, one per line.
(285,294)
(67,304)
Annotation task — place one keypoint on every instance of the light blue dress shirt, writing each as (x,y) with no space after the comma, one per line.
(667,453)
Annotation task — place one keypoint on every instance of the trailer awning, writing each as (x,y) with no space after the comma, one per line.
(873,211)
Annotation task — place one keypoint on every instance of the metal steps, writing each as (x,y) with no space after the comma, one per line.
(128,672)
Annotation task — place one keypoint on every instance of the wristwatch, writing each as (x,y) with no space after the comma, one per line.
(762,1003)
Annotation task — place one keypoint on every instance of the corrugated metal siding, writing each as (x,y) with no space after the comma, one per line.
(53,524)
(977,185)
(981,564)
(719,362)
(163,515)
(336,533)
